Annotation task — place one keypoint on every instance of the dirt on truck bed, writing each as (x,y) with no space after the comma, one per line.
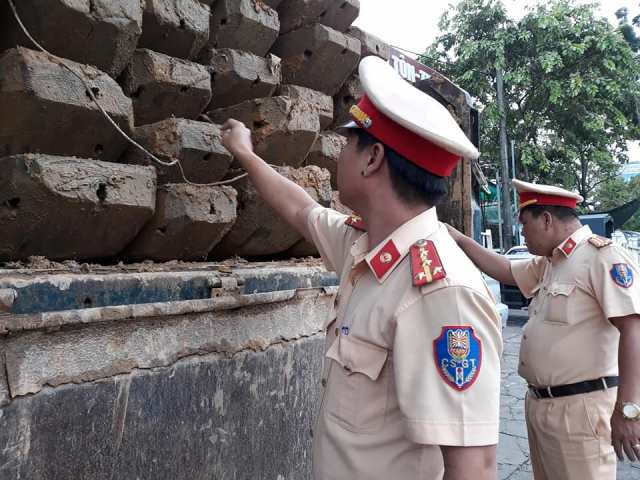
(41,265)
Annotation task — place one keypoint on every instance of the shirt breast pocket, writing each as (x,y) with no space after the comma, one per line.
(559,303)
(358,384)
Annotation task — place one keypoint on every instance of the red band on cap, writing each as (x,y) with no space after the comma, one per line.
(533,198)
(412,146)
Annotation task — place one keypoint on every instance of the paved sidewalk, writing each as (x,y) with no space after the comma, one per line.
(513,450)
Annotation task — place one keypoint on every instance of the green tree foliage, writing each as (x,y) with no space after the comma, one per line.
(570,83)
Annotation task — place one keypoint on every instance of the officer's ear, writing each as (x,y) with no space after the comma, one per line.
(548,220)
(376,157)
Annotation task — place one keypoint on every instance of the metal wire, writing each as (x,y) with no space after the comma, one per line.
(62,62)
(407,51)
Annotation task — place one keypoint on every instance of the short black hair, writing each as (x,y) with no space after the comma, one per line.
(411,183)
(563,214)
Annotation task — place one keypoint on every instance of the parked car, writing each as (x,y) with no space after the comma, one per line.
(502,309)
(518,252)
(511,295)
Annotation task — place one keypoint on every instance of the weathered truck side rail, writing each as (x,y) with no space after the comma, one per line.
(183,389)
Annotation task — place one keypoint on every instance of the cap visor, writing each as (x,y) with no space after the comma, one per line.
(343,129)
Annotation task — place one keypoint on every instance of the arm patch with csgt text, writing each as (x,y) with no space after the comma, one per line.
(622,274)
(458,356)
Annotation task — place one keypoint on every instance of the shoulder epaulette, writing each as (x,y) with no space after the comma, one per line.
(355,221)
(600,242)
(426,266)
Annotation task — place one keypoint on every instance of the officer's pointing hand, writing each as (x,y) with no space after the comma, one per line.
(625,437)
(236,138)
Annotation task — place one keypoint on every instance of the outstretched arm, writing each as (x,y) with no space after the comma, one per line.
(494,265)
(288,199)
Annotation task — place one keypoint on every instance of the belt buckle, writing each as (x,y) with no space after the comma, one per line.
(549,392)
(534,392)
(604,383)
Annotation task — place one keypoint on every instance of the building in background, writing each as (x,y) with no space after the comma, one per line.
(630,170)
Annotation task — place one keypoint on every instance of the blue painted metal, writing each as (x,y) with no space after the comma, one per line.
(77,291)
(600,223)
(257,282)
(82,292)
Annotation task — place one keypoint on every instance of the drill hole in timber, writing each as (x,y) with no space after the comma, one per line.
(101,192)
(308,54)
(99,150)
(13,202)
(223,21)
(138,92)
(95,91)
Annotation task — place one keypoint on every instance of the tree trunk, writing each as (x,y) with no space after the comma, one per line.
(507,213)
(584,172)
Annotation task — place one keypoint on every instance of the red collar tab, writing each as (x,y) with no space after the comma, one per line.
(426,266)
(600,242)
(410,145)
(356,222)
(568,247)
(533,198)
(384,259)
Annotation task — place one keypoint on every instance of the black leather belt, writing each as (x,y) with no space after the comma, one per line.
(574,388)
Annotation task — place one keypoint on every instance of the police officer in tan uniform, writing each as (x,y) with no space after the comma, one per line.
(580,350)
(412,369)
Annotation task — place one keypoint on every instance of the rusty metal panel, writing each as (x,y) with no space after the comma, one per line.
(176,390)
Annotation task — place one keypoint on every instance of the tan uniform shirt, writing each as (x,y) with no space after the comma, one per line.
(389,398)
(568,337)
